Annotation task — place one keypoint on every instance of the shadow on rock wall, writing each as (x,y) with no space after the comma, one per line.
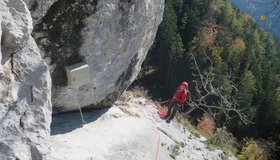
(67,122)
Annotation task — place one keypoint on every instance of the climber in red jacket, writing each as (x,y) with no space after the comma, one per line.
(179,98)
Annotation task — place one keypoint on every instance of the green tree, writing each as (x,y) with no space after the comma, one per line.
(273,110)
(247,90)
(242,55)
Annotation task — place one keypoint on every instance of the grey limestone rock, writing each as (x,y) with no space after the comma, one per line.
(111,36)
(25,87)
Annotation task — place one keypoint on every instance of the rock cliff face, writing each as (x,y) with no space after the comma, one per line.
(25,87)
(111,36)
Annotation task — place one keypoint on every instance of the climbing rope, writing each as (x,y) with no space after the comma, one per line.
(80,110)
(156,126)
(165,102)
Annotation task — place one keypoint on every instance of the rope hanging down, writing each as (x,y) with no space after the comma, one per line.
(156,126)
(80,110)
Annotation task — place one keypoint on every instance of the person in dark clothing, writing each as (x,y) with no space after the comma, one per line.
(178,99)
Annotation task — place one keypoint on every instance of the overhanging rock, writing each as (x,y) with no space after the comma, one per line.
(111,36)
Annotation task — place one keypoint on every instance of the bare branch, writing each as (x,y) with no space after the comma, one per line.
(205,92)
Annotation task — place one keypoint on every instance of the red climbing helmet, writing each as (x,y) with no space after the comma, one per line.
(185,84)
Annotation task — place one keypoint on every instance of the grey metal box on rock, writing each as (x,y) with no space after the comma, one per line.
(78,74)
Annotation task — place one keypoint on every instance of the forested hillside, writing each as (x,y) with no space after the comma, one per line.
(232,65)
(257,8)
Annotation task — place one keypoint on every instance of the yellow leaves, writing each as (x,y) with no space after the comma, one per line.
(216,52)
(253,150)
(218,61)
(239,44)
(262,17)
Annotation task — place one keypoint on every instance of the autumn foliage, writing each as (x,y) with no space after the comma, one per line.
(257,150)
(206,125)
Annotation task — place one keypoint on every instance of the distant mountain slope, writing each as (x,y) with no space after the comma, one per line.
(256,8)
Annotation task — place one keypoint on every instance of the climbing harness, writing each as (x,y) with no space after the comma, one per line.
(166,103)
(181,106)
